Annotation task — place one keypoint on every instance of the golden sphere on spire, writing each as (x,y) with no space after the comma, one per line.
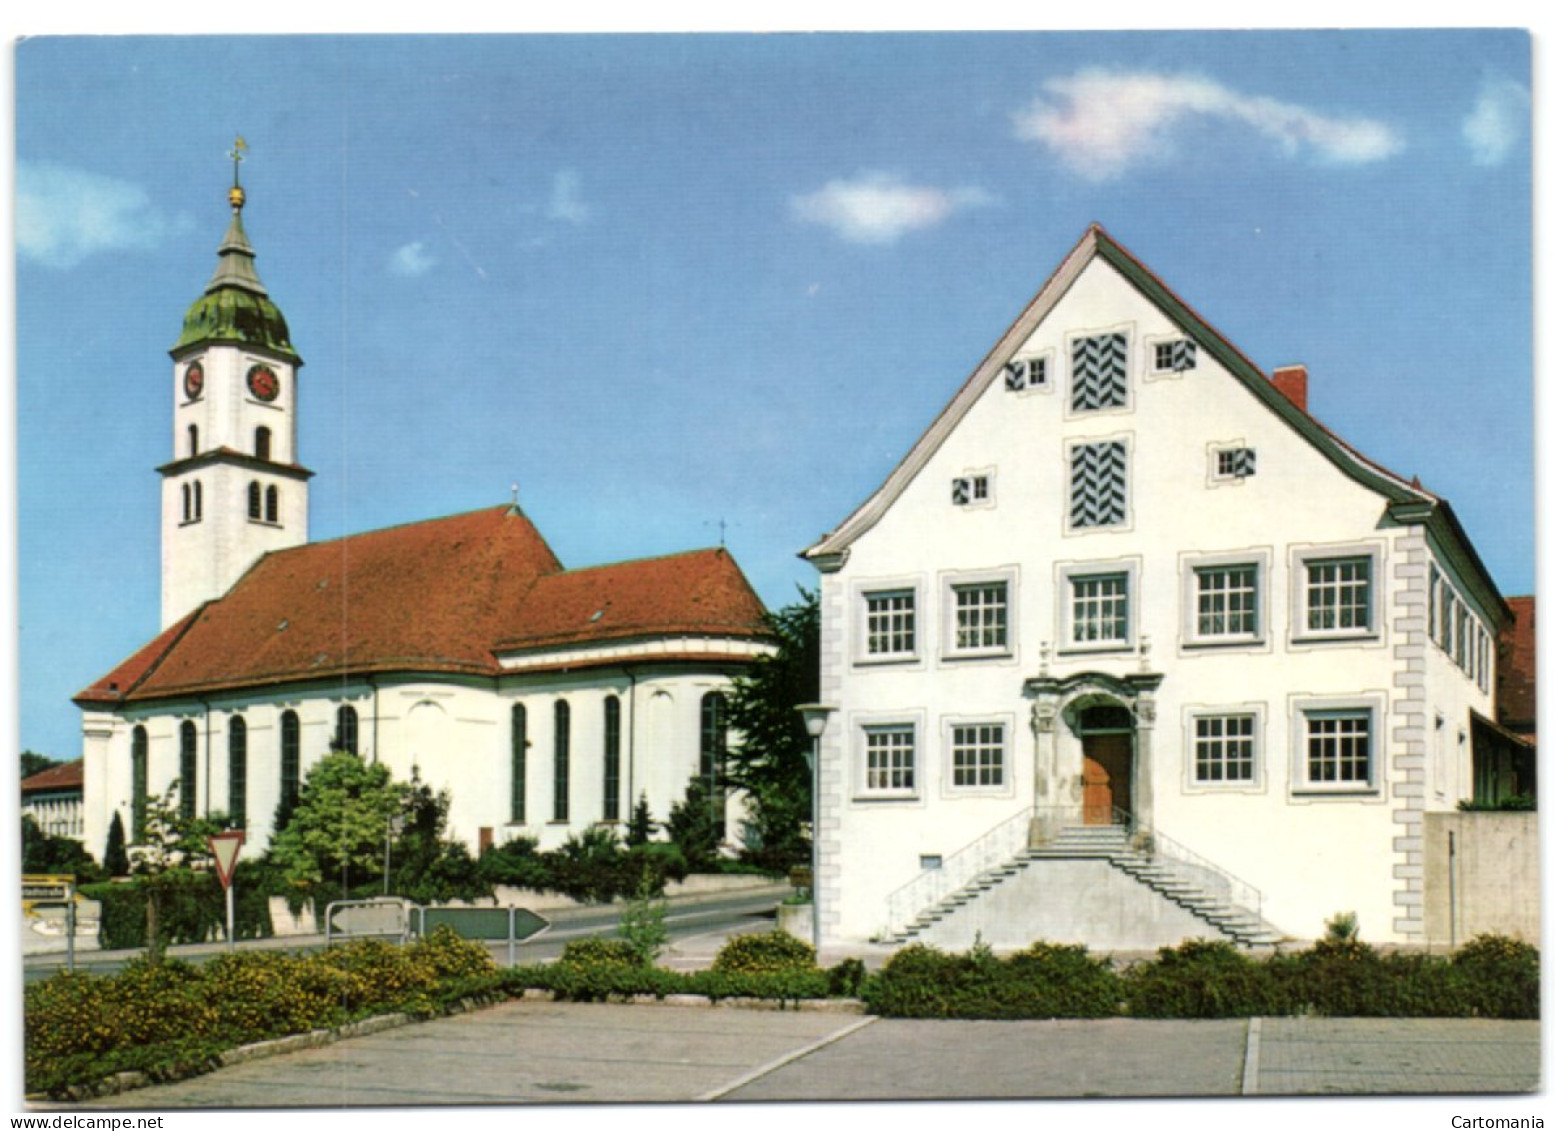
(235,196)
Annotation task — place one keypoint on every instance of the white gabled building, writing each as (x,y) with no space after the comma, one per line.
(1126,603)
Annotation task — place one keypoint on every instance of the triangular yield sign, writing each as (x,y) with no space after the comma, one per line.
(225,847)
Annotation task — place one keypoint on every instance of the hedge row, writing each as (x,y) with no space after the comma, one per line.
(1492,976)
(194,909)
(175,1018)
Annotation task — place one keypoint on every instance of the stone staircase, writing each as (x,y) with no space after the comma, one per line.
(1169,879)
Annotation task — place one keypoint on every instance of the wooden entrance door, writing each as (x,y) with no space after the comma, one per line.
(1108,762)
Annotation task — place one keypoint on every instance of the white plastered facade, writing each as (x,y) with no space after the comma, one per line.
(455,734)
(1310,848)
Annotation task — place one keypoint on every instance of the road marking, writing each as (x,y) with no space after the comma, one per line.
(758,1073)
(1250,1060)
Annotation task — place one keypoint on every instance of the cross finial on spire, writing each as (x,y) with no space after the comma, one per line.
(235,196)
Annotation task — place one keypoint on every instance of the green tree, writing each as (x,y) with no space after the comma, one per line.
(425,866)
(769,761)
(166,857)
(693,826)
(342,817)
(116,859)
(33,763)
(640,826)
(43,854)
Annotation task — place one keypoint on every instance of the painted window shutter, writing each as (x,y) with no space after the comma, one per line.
(1098,484)
(1100,372)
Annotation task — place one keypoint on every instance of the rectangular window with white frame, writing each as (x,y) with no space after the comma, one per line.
(1225,749)
(1336,594)
(1098,608)
(1226,602)
(890,626)
(890,760)
(1337,747)
(1028,374)
(1173,356)
(978,615)
(977,755)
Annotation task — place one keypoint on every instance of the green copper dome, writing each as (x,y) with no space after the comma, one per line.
(235,307)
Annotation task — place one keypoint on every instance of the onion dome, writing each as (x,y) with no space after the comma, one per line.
(235,307)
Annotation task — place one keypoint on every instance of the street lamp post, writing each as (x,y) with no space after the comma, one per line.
(396,825)
(815,716)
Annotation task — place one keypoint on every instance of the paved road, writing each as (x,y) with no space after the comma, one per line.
(724,914)
(543,1052)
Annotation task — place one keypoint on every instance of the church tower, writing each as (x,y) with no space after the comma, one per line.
(234,489)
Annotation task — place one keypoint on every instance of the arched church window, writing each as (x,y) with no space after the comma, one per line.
(714,749)
(520,797)
(612,806)
(254,501)
(272,504)
(291,760)
(237,771)
(199,501)
(194,440)
(138,785)
(188,764)
(345,728)
(563,761)
(262,442)
(188,504)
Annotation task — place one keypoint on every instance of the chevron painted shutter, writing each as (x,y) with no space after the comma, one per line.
(1176,356)
(1100,372)
(1098,484)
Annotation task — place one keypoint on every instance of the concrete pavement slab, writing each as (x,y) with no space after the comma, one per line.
(520,1052)
(1381,1056)
(900,1060)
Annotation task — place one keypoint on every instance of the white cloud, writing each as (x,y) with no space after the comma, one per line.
(64,215)
(1101,122)
(411,260)
(566,204)
(880,207)
(1497,122)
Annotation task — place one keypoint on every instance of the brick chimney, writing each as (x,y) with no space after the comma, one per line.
(1292,381)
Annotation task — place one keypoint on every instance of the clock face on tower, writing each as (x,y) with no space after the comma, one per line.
(194,380)
(263,383)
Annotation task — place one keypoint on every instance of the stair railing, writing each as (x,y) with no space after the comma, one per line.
(999,845)
(1151,842)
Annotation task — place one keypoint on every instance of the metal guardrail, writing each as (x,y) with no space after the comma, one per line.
(1004,842)
(1211,876)
(402,931)
(988,851)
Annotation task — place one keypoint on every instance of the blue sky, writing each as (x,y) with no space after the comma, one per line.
(663,281)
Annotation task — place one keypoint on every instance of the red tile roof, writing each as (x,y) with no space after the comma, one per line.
(440,596)
(55,779)
(1517,705)
(701,592)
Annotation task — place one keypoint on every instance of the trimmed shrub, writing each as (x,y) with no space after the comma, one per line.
(772,952)
(847,978)
(175,1018)
(1040,982)
(1499,977)
(601,952)
(1201,979)
(194,909)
